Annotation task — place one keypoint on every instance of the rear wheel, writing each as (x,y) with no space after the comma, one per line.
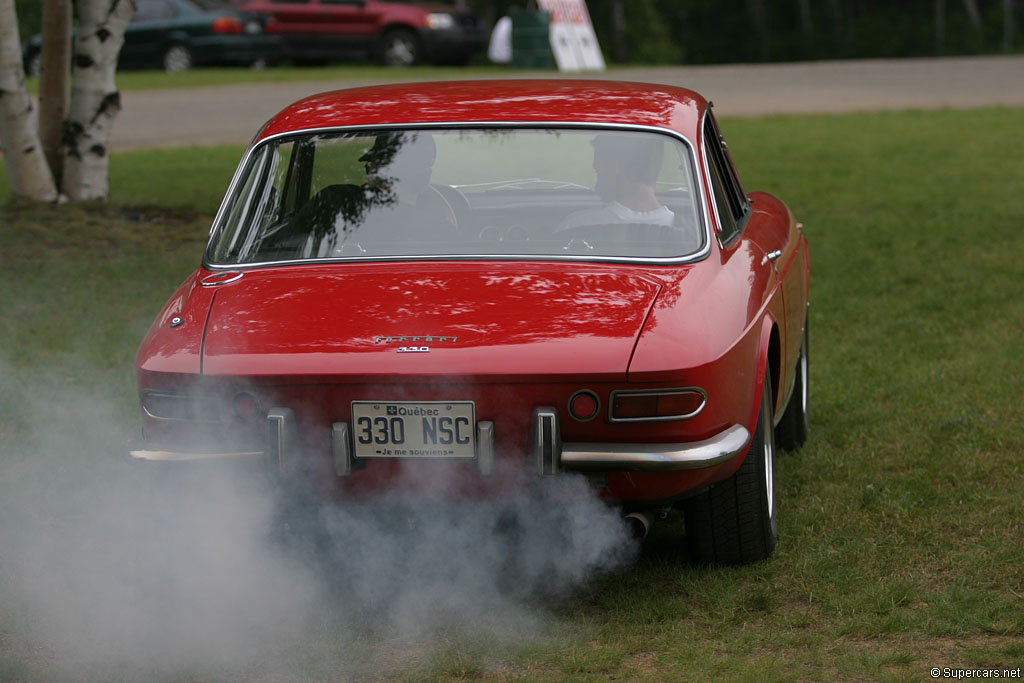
(734,522)
(791,432)
(177,58)
(399,47)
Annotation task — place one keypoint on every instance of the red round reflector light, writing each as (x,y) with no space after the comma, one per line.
(246,406)
(584,405)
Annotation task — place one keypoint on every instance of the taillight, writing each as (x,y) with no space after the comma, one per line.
(184,407)
(227,25)
(661,404)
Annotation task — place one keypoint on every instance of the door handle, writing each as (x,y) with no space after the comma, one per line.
(772,256)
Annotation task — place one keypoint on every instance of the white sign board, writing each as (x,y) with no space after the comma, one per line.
(573,41)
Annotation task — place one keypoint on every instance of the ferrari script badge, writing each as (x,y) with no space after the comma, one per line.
(418,338)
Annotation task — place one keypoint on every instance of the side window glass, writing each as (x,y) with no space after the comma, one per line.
(726,221)
(730,201)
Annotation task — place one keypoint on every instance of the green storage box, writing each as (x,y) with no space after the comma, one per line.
(531,46)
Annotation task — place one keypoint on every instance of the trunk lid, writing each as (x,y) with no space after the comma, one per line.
(516,320)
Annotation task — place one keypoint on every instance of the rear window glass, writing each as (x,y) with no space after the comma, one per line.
(502,193)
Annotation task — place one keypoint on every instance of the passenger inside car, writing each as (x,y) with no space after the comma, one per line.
(627,169)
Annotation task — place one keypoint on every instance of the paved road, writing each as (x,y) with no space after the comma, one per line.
(232,114)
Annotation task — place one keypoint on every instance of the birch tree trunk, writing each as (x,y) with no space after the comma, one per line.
(95,100)
(28,174)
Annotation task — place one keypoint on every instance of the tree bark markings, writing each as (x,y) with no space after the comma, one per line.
(94,104)
(95,100)
(28,174)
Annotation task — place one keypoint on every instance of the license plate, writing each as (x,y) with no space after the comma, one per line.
(433,429)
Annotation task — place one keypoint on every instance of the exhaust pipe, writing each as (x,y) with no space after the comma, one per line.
(639,524)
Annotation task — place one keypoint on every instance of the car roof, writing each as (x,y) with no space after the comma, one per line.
(581,101)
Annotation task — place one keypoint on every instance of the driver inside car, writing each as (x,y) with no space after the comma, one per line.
(627,168)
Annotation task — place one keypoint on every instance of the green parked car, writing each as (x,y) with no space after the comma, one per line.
(176,35)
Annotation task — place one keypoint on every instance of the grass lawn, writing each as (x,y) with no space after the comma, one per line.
(901,520)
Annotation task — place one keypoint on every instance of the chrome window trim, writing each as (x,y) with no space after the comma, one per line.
(705,171)
(657,392)
(696,173)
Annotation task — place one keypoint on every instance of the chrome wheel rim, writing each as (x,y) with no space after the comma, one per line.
(400,52)
(768,452)
(804,372)
(177,59)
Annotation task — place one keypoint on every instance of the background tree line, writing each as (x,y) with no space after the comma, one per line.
(722,31)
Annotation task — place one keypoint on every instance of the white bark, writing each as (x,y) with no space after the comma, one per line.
(95,100)
(28,174)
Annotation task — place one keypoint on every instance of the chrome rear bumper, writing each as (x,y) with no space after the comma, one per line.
(550,454)
(656,457)
(155,455)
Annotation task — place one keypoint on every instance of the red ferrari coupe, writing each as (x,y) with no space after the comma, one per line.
(457,291)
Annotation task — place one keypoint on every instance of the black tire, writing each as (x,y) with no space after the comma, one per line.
(734,522)
(399,47)
(791,432)
(177,57)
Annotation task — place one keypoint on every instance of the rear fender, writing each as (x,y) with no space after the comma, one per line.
(766,361)
(768,358)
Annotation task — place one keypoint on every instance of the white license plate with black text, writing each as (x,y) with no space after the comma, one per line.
(404,429)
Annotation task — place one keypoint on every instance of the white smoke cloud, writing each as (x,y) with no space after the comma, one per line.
(114,571)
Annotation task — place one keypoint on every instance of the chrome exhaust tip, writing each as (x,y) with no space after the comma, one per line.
(639,524)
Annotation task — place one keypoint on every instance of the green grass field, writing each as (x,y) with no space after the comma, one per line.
(900,521)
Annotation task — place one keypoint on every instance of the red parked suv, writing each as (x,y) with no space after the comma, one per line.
(392,33)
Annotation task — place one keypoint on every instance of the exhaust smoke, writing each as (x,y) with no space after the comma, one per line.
(113,571)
